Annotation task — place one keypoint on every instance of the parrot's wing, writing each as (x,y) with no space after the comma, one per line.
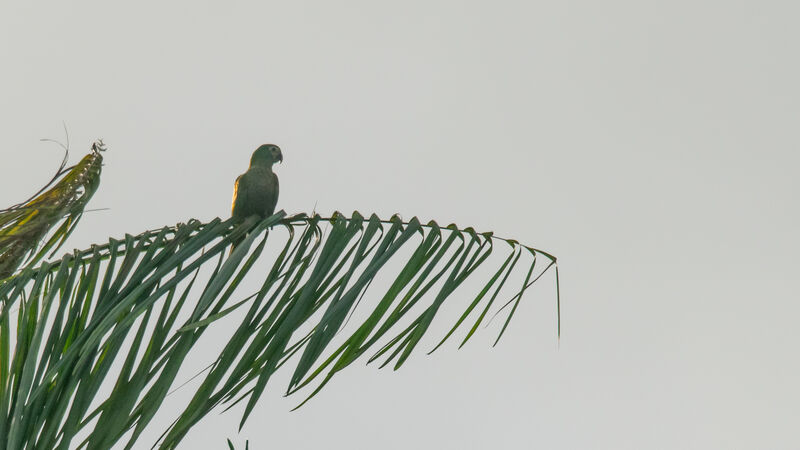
(272,195)
(239,198)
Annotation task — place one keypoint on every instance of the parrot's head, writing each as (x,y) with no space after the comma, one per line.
(266,155)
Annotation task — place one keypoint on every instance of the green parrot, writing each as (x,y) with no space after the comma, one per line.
(256,191)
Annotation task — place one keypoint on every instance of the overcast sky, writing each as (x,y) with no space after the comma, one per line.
(651,146)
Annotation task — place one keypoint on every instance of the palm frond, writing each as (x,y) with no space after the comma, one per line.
(246,445)
(25,225)
(128,313)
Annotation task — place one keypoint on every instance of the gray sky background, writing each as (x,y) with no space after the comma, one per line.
(651,146)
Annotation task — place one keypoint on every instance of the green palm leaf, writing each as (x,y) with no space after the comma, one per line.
(128,313)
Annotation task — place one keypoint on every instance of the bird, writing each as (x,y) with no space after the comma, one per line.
(255,192)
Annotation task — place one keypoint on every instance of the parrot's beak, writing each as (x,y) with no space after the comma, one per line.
(280,157)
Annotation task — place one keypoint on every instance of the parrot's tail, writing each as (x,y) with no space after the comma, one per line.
(242,228)
(235,242)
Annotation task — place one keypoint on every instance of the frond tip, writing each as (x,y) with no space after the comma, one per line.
(24,226)
(128,313)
